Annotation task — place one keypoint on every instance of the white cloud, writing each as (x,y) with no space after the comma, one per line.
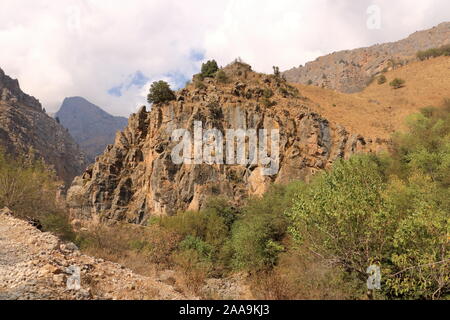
(87,47)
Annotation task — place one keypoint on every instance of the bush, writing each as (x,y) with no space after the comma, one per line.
(209,69)
(257,237)
(221,76)
(391,211)
(433,53)
(381,79)
(222,208)
(199,84)
(397,83)
(206,225)
(160,92)
(268,103)
(267,93)
(29,188)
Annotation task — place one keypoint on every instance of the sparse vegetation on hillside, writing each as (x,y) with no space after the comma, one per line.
(29,188)
(434,52)
(160,92)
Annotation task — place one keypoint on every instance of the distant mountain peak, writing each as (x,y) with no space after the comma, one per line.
(92,127)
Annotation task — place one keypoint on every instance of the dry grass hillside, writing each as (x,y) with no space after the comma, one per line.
(380,110)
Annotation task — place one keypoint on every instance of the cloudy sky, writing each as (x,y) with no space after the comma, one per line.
(110,51)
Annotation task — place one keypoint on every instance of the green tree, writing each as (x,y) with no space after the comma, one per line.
(387,210)
(160,92)
(209,69)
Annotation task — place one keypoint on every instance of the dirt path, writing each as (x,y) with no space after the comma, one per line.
(35,265)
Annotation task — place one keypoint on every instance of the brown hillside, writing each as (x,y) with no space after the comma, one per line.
(380,110)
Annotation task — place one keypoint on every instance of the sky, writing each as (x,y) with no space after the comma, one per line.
(109,52)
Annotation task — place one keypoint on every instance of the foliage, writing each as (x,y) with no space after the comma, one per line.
(199,84)
(387,210)
(28,187)
(221,76)
(397,83)
(257,236)
(381,79)
(433,53)
(160,92)
(268,103)
(267,93)
(209,69)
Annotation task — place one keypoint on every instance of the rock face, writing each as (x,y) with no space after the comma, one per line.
(91,127)
(136,177)
(25,127)
(351,70)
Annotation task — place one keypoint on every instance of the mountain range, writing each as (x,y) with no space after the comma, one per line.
(351,70)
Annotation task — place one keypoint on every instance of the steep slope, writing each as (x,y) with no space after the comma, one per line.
(136,177)
(91,127)
(379,110)
(25,127)
(351,70)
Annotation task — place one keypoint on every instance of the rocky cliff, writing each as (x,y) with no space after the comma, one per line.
(136,177)
(351,70)
(91,127)
(25,128)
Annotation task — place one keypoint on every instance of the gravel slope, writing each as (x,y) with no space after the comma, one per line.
(33,266)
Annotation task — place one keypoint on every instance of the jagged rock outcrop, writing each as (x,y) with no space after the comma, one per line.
(91,127)
(351,70)
(136,177)
(26,129)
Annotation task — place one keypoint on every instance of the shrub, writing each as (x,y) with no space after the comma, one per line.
(267,93)
(381,79)
(199,84)
(28,187)
(221,207)
(433,53)
(268,103)
(397,83)
(257,237)
(160,92)
(209,69)
(221,76)
(206,225)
